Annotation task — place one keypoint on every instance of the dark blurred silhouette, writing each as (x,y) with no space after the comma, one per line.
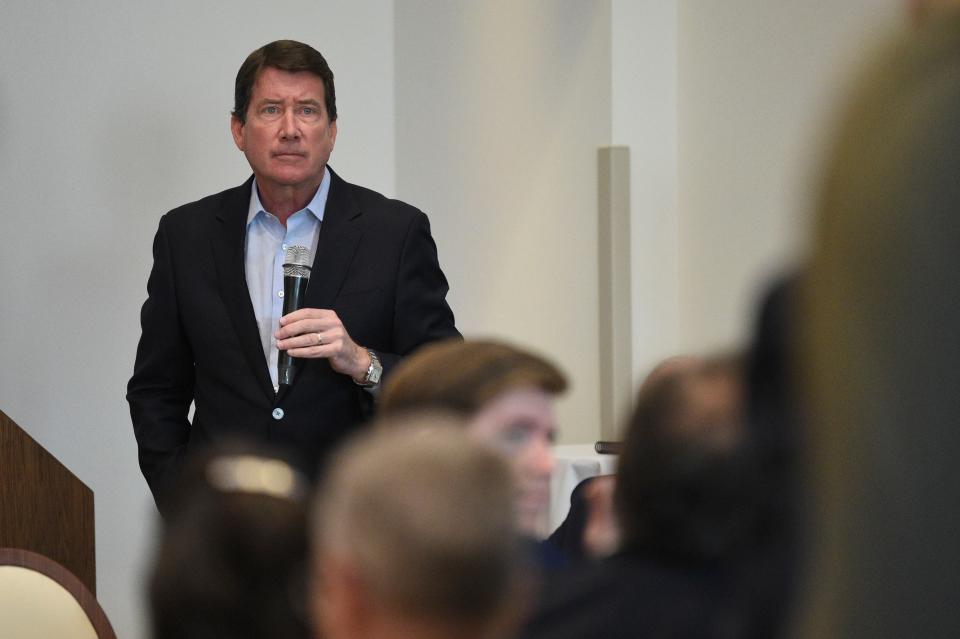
(590,529)
(884,339)
(687,499)
(231,561)
(769,574)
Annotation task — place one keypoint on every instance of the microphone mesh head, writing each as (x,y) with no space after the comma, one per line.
(297,262)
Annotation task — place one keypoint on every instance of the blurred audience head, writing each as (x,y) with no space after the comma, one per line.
(667,368)
(415,535)
(232,556)
(506,395)
(685,482)
(884,346)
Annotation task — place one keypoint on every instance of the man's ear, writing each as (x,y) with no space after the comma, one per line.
(236,128)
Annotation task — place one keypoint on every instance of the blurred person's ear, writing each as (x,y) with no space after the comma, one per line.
(341,605)
(601,535)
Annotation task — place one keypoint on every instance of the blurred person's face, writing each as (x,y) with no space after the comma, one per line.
(521,424)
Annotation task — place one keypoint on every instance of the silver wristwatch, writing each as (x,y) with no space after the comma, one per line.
(374,371)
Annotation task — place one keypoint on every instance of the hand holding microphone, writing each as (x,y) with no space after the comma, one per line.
(312,332)
(296,277)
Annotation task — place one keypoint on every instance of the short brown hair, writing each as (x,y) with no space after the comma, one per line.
(461,376)
(685,492)
(286,55)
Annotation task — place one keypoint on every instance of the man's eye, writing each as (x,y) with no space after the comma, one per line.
(515,435)
(271,109)
(308,110)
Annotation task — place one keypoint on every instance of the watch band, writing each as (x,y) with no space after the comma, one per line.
(374,371)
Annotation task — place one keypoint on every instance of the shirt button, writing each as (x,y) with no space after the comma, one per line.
(279,293)
(277,413)
(284,246)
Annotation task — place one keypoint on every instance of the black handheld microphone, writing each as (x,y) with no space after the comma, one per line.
(296,276)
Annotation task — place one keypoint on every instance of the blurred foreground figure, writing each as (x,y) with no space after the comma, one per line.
(922,10)
(590,529)
(506,395)
(776,427)
(884,304)
(233,553)
(686,501)
(415,537)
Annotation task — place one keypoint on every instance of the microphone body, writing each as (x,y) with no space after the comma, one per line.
(296,277)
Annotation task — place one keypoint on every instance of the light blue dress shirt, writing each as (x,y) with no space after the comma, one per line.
(267,240)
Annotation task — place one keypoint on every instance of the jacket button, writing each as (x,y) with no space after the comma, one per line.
(277,413)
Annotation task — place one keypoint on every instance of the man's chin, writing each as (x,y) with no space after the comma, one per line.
(530,518)
(290,179)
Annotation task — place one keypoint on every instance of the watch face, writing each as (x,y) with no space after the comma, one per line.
(375,371)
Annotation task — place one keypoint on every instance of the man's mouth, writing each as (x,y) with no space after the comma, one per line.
(534,497)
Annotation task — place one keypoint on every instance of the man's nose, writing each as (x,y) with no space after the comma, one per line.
(543,460)
(289,130)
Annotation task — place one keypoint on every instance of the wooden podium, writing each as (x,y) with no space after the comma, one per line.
(44,508)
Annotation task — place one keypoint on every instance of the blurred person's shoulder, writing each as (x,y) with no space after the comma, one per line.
(628,595)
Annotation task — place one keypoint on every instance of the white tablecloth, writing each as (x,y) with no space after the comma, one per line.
(575,462)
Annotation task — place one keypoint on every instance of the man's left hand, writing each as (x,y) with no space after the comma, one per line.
(319,333)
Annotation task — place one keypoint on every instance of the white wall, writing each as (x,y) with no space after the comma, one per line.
(758,82)
(110,114)
(724,106)
(501,107)
(644,111)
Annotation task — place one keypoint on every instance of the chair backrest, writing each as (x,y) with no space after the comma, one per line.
(39,599)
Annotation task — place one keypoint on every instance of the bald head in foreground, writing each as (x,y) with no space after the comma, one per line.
(415,536)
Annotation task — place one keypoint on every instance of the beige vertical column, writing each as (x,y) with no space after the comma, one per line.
(616,343)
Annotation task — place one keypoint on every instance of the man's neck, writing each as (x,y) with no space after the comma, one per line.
(283,200)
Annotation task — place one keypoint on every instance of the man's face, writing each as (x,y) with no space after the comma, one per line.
(288,135)
(521,424)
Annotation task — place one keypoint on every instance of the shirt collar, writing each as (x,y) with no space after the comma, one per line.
(316,205)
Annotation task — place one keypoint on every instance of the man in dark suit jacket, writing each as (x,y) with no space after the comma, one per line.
(209,338)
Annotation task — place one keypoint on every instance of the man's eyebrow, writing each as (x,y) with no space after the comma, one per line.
(307,101)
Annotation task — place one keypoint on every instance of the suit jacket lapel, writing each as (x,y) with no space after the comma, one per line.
(340,234)
(228,240)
